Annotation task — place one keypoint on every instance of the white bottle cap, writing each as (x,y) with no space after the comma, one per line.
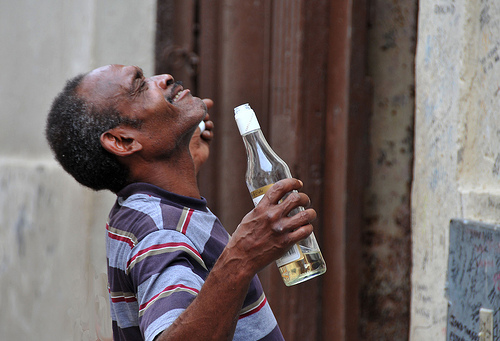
(246,119)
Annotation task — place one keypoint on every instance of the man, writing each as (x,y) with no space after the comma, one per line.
(173,271)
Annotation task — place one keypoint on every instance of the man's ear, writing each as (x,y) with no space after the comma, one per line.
(120,142)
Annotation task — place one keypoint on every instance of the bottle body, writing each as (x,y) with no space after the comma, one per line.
(304,260)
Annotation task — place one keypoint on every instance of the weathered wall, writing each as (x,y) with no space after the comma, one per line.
(457,143)
(52,252)
(386,242)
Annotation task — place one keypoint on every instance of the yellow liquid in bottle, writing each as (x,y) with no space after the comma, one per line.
(308,266)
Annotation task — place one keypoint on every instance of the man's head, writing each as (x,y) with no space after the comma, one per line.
(106,121)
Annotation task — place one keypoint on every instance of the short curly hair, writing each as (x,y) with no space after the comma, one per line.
(73,130)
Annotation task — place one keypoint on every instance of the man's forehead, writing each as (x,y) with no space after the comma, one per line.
(105,82)
(105,74)
(106,69)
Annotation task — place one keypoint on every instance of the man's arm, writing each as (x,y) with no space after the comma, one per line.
(263,235)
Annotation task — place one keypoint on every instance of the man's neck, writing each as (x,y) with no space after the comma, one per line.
(177,176)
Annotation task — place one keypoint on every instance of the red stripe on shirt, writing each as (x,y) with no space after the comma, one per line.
(254,310)
(121,238)
(186,221)
(123,299)
(162,246)
(169,288)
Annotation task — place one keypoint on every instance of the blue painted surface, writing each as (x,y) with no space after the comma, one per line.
(473,278)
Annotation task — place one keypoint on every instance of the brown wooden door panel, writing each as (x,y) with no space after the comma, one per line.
(294,63)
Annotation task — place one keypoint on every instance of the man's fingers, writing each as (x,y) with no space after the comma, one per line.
(301,233)
(294,200)
(289,224)
(295,228)
(209,125)
(208,134)
(280,188)
(303,217)
(208,102)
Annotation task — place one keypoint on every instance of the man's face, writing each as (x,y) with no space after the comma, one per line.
(168,112)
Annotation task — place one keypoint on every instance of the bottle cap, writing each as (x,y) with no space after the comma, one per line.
(246,119)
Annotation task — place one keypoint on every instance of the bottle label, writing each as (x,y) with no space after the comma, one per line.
(291,255)
(258,194)
(294,253)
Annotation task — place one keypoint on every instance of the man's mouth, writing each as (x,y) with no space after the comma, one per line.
(177,93)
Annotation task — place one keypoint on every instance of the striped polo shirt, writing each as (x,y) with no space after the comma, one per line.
(160,249)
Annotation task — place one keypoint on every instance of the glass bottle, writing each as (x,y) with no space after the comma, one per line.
(304,260)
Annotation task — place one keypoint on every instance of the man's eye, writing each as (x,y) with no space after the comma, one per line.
(140,86)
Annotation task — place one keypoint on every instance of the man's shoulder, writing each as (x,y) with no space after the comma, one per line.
(140,215)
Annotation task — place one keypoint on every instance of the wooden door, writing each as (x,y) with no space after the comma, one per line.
(301,66)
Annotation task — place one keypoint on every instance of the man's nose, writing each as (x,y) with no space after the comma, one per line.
(163,81)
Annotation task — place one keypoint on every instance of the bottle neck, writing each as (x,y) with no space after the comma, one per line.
(254,140)
(258,149)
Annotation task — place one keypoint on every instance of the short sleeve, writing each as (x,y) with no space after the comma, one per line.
(168,272)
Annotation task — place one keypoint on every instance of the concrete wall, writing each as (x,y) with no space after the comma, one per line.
(52,252)
(457,142)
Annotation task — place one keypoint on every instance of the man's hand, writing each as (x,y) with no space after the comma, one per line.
(267,231)
(200,143)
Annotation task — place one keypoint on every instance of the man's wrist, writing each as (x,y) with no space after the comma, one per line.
(234,267)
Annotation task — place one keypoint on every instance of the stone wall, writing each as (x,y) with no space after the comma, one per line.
(457,143)
(52,251)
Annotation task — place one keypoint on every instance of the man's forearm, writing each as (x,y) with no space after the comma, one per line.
(213,314)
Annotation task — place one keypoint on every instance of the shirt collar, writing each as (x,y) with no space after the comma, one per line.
(169,197)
